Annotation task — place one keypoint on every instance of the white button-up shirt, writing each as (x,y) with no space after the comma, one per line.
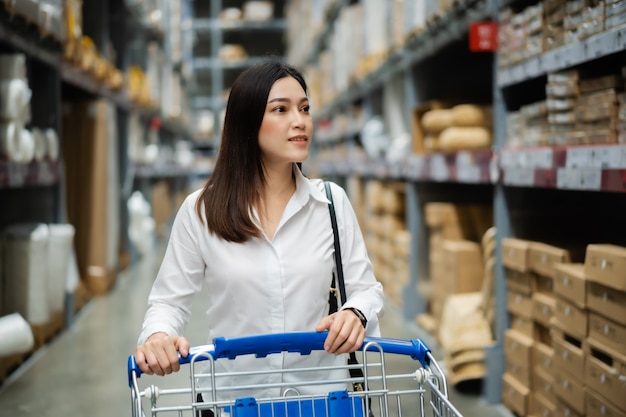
(266,286)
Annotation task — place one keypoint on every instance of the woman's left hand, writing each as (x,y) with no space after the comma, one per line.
(345,332)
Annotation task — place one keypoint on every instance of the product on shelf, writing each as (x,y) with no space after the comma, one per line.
(232,52)
(440,126)
(258,10)
(16,336)
(26,272)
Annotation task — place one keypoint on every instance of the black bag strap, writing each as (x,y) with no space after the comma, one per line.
(332,299)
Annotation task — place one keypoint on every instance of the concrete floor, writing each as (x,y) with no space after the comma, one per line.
(82,372)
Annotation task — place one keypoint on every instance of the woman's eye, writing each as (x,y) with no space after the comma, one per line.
(306,109)
(279,109)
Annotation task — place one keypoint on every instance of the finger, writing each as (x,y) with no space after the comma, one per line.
(182,345)
(171,353)
(140,359)
(354,341)
(324,324)
(153,362)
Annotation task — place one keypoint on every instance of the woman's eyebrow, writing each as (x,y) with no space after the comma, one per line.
(303,99)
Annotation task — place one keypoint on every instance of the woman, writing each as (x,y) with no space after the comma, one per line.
(258,235)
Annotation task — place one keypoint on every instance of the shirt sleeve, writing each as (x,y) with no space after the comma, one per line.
(179,278)
(363,291)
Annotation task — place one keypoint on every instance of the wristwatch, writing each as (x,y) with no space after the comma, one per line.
(359,314)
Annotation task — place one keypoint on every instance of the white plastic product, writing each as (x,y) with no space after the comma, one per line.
(41,146)
(258,10)
(10,133)
(2,300)
(27,146)
(59,255)
(16,335)
(15,98)
(141,228)
(12,66)
(52,143)
(26,271)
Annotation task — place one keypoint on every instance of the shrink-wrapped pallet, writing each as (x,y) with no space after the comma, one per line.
(59,255)
(26,271)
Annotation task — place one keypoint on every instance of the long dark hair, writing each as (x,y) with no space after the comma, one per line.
(238,176)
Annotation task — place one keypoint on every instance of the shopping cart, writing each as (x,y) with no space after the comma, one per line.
(384,394)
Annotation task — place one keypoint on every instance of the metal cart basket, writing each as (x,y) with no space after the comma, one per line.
(418,387)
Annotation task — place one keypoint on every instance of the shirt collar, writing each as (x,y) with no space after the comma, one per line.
(306,188)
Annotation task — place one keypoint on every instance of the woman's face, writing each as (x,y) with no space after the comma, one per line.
(285,132)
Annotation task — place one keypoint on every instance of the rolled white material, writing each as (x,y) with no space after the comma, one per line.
(12,66)
(15,100)
(16,335)
(52,144)
(59,255)
(41,146)
(10,137)
(27,146)
(26,271)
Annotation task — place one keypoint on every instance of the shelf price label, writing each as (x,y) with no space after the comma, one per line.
(519,176)
(17,174)
(483,37)
(439,170)
(414,168)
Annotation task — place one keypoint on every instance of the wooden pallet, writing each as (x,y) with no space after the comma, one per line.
(9,364)
(43,333)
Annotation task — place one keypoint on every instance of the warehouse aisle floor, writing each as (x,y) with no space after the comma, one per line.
(83,371)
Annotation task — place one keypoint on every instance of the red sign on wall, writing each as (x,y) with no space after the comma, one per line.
(483,36)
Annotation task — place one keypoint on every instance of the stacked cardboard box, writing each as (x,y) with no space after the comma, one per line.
(598,107)
(567,356)
(605,364)
(528,385)
(554,14)
(455,256)
(562,92)
(614,14)
(92,190)
(386,236)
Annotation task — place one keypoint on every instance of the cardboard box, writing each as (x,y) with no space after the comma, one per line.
(606,264)
(518,349)
(542,258)
(571,319)
(570,283)
(543,383)
(515,254)
(543,308)
(520,304)
(569,355)
(464,267)
(543,358)
(607,301)
(569,390)
(515,396)
(522,282)
(542,406)
(610,334)
(524,325)
(565,410)
(602,375)
(597,406)
(542,284)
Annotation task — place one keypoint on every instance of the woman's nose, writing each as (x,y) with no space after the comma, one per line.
(297,118)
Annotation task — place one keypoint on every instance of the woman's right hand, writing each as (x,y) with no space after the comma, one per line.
(159,354)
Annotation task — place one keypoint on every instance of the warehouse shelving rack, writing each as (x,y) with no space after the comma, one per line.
(585,202)
(214,75)
(34,192)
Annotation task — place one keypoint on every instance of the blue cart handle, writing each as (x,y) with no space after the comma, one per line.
(300,342)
